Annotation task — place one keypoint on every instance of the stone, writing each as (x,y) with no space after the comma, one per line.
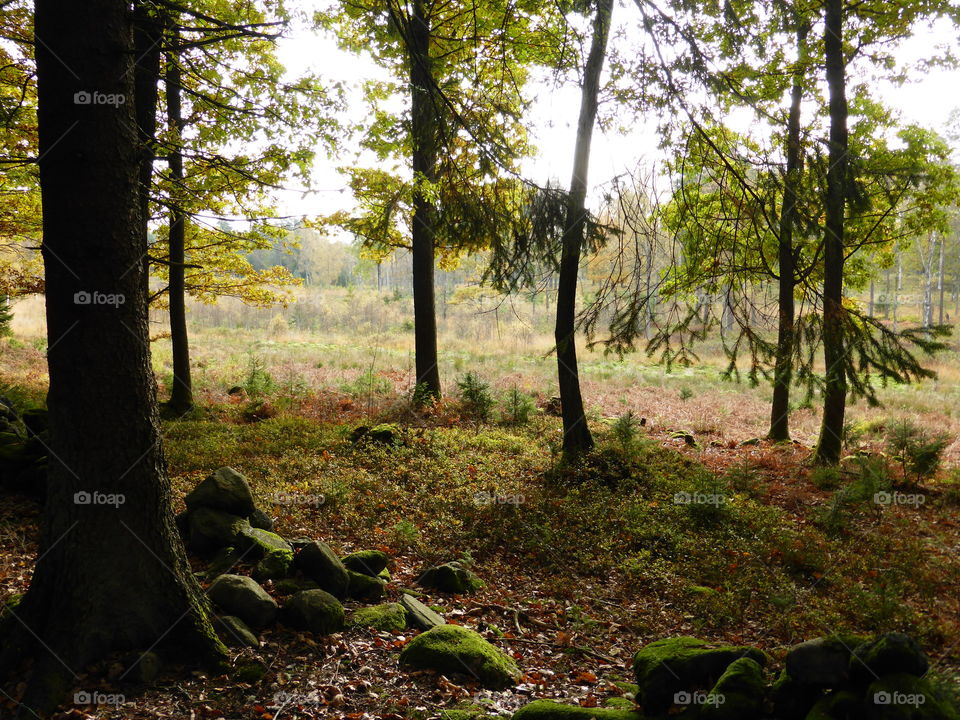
(368,562)
(738,694)
(257,544)
(212,529)
(886,655)
(234,632)
(837,705)
(223,562)
(241,596)
(387,617)
(315,610)
(549,710)
(259,519)
(451,649)
(451,578)
(666,667)
(419,614)
(364,587)
(289,586)
(319,563)
(791,700)
(822,662)
(225,489)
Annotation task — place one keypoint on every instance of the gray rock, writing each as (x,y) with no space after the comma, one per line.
(225,489)
(822,662)
(235,633)
(315,610)
(319,563)
(259,519)
(242,596)
(419,614)
(888,655)
(212,529)
(368,562)
(451,577)
(223,562)
(364,587)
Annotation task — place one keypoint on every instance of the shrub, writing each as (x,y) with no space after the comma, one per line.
(259,382)
(366,384)
(625,429)
(475,397)
(517,407)
(918,451)
(6,316)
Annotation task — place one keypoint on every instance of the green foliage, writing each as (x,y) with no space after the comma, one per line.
(919,451)
(6,316)
(366,384)
(625,429)
(259,383)
(685,393)
(825,477)
(517,407)
(475,397)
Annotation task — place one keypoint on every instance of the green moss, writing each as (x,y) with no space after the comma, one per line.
(250,672)
(836,705)
(738,693)
(903,695)
(451,578)
(455,649)
(368,562)
(390,616)
(549,710)
(364,587)
(620,703)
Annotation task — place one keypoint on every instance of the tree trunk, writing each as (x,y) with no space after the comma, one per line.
(576,435)
(181,394)
(940,285)
(870,301)
(424,120)
(111,575)
(783,367)
(830,442)
(897,288)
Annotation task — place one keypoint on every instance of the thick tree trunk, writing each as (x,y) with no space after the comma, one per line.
(181,394)
(783,368)
(830,442)
(112,573)
(424,119)
(576,434)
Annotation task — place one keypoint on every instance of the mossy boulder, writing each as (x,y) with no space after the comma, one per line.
(903,696)
(225,489)
(837,705)
(315,610)
(259,519)
(666,667)
(368,562)
(549,710)
(887,654)
(822,662)
(738,694)
(241,596)
(455,649)
(212,529)
(387,617)
(223,561)
(274,566)
(290,586)
(451,578)
(385,434)
(321,564)
(235,633)
(364,587)
(273,554)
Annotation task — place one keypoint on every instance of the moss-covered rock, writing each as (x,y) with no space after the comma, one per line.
(289,586)
(276,565)
(257,543)
(387,617)
(903,696)
(620,703)
(241,596)
(451,578)
(234,632)
(223,561)
(315,610)
(822,662)
(368,562)
(385,434)
(455,649)
(259,519)
(364,587)
(549,710)
(887,655)
(225,489)
(837,705)
(212,529)
(666,667)
(738,694)
(321,564)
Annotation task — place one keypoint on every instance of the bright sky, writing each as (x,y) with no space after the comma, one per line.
(928,101)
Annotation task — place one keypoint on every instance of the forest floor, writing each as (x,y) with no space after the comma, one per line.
(582,565)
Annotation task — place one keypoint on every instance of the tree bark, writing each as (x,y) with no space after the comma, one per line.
(111,575)
(783,367)
(576,434)
(940,285)
(424,119)
(830,442)
(181,394)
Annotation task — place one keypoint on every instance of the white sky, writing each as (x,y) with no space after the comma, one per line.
(928,101)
